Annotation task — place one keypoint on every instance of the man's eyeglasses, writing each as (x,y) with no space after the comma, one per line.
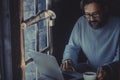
(93,15)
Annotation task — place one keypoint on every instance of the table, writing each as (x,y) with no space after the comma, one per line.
(73,75)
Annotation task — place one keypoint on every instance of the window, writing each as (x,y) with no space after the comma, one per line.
(37,34)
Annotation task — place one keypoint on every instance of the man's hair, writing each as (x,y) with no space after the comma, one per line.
(101,3)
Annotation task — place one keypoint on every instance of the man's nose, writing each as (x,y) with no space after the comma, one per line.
(91,18)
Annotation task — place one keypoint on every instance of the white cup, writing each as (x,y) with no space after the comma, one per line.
(89,76)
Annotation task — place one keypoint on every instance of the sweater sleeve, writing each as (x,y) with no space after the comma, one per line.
(117,57)
(73,47)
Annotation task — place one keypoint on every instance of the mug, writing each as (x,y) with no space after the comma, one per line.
(89,76)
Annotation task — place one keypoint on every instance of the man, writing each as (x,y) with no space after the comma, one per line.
(97,34)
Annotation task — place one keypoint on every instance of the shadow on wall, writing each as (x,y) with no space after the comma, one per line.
(115,7)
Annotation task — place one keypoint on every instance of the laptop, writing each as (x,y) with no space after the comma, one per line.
(49,69)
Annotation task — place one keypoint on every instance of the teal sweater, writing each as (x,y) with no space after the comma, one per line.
(101,46)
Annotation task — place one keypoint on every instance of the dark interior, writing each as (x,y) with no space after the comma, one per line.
(67,11)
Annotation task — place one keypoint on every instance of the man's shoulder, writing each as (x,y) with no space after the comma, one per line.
(115,21)
(81,20)
(81,23)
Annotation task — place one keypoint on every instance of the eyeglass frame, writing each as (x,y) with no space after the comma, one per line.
(93,15)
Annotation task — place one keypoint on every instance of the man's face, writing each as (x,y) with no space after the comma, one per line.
(93,15)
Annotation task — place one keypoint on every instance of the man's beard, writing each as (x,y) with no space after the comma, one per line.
(94,24)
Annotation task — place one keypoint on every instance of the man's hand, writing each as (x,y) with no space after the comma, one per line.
(67,65)
(104,74)
(101,75)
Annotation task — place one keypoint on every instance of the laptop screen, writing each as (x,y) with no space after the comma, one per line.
(48,66)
